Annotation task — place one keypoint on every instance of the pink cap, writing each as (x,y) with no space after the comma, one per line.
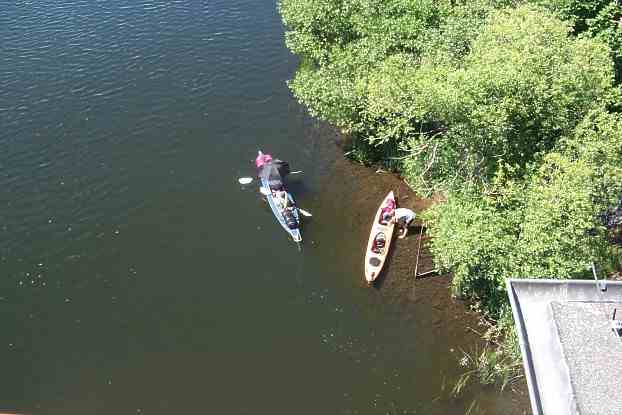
(262,159)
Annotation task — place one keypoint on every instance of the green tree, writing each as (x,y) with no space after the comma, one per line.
(577,12)
(547,225)
(606,26)
(345,45)
(524,84)
(454,89)
(600,19)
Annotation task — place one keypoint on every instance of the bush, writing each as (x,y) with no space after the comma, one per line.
(524,84)
(545,225)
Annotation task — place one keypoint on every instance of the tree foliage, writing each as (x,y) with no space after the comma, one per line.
(599,19)
(457,88)
(545,225)
(577,12)
(524,84)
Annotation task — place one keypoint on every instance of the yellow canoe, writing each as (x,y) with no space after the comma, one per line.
(375,258)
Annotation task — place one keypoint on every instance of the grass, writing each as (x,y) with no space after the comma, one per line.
(497,362)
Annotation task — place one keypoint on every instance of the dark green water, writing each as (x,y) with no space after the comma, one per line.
(137,276)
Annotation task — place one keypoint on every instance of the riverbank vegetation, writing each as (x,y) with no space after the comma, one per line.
(509,109)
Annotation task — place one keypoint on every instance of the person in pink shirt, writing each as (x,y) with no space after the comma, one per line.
(387,212)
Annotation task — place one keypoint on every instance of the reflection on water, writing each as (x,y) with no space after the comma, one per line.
(140,277)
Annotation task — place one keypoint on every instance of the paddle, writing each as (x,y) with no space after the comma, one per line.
(247,180)
(267,192)
(304,212)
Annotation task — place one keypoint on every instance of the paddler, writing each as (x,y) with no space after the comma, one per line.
(271,171)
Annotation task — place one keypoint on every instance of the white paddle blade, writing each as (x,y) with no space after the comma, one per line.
(245,180)
(304,212)
(264,191)
(296,172)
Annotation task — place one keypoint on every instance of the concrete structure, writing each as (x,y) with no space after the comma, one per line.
(571,353)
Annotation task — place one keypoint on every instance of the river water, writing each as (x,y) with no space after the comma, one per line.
(138,276)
